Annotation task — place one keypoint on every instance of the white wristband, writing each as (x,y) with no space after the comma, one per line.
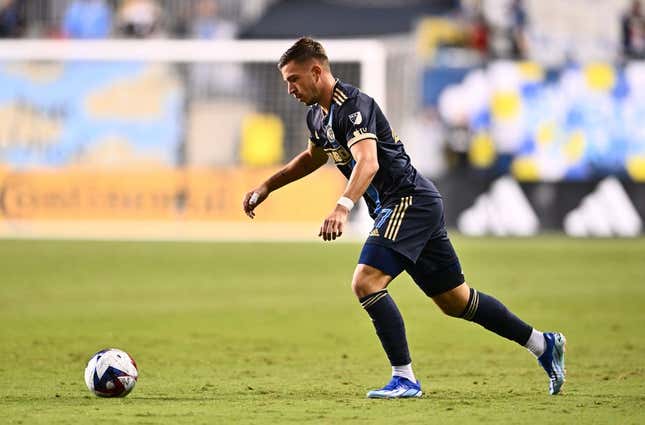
(346,202)
(254,198)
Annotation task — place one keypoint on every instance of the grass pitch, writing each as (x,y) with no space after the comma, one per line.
(271,333)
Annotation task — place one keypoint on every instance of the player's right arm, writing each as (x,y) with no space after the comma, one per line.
(303,164)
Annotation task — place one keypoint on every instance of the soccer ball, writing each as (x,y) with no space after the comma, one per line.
(111,373)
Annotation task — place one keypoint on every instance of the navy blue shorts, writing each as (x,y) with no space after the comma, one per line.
(411,235)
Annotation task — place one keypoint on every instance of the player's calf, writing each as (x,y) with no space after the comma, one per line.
(490,313)
(389,326)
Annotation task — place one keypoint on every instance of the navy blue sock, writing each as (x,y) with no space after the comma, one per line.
(389,326)
(494,316)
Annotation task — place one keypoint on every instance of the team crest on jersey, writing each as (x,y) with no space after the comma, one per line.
(356,118)
(330,134)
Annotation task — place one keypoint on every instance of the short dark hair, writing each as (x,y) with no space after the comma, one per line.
(302,50)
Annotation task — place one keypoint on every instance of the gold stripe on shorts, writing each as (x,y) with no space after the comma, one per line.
(391,220)
(406,203)
(394,223)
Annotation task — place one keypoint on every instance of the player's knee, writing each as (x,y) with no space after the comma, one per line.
(359,288)
(448,306)
(450,310)
(362,286)
(453,302)
(368,280)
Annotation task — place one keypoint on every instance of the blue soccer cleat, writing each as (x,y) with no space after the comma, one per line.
(552,360)
(398,387)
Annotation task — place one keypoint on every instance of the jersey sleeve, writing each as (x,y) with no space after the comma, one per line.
(358,119)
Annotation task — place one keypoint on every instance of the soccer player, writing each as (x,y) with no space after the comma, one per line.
(409,231)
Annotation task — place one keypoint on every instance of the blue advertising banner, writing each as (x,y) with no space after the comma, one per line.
(90,114)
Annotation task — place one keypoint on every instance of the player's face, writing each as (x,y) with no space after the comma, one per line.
(302,81)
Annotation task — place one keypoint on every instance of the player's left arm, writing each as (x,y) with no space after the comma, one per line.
(365,155)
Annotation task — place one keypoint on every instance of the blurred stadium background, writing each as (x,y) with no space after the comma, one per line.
(151,118)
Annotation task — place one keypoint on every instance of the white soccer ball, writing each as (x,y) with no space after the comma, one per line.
(111,373)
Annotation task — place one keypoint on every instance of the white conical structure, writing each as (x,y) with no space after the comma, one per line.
(514,210)
(502,211)
(622,214)
(473,221)
(605,212)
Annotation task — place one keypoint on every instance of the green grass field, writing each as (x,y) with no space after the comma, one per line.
(271,333)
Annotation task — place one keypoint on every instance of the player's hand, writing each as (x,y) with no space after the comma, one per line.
(334,224)
(254,198)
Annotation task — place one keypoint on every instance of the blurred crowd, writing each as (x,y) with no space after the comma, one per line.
(499,29)
(495,29)
(633,32)
(12,19)
(98,19)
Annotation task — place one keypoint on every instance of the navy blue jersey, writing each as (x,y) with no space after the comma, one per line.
(354,116)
